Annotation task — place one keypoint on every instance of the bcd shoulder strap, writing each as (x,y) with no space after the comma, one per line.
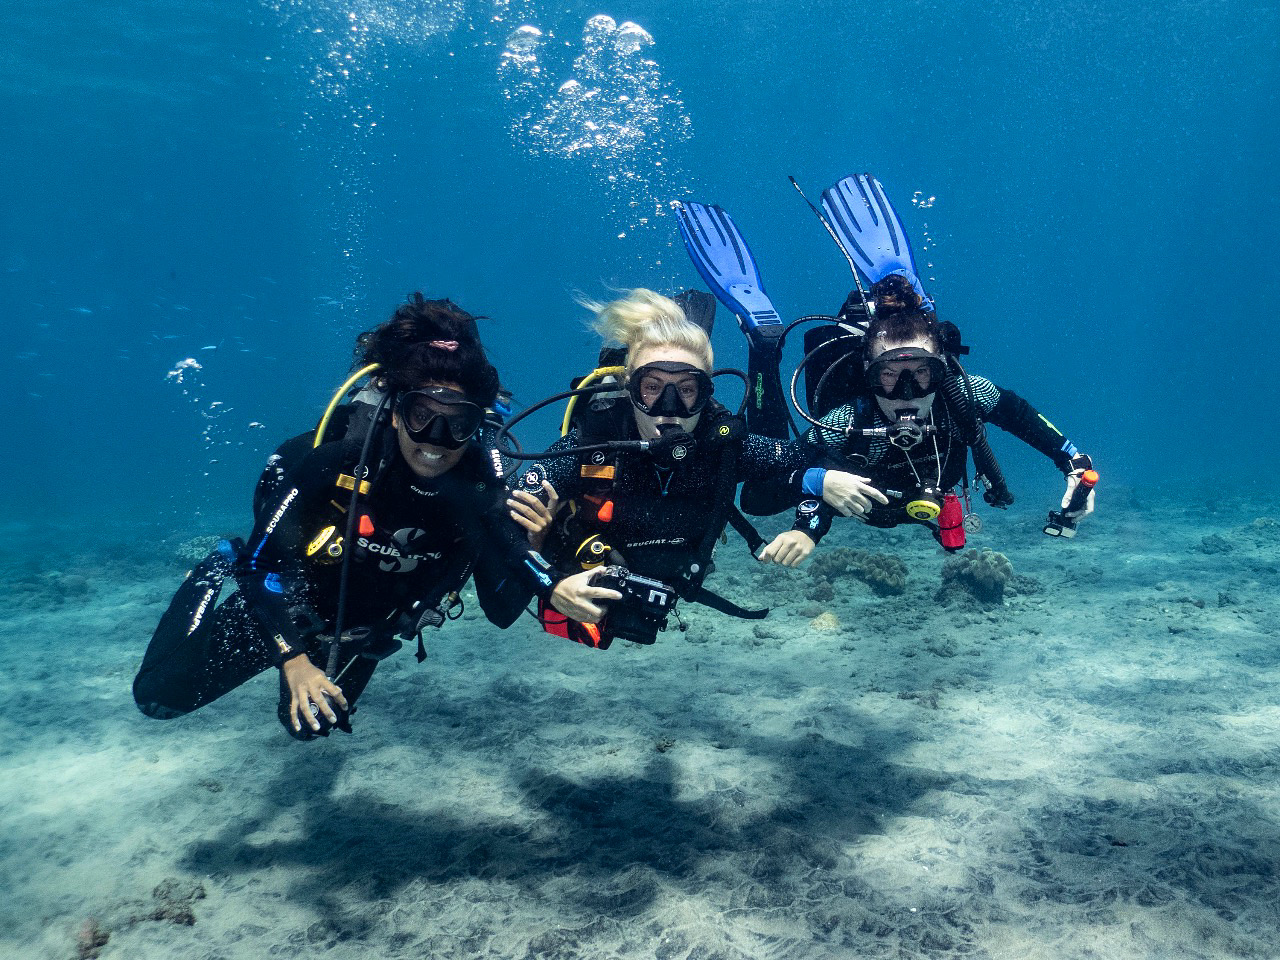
(731,433)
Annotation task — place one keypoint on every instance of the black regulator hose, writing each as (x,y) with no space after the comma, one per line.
(344,575)
(507,446)
(959,394)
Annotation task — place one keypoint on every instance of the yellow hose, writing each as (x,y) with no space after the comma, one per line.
(337,399)
(597,374)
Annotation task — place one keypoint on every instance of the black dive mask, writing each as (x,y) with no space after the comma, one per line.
(921,376)
(681,393)
(439,416)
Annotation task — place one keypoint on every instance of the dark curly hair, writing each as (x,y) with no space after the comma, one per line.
(430,341)
(901,315)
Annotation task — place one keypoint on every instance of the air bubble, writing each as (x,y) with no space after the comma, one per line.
(615,111)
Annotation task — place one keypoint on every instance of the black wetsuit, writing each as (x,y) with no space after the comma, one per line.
(663,518)
(937,461)
(417,541)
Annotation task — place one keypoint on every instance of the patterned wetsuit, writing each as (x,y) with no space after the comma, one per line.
(937,461)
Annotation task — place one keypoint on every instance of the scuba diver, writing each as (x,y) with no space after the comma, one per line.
(366,529)
(650,462)
(894,416)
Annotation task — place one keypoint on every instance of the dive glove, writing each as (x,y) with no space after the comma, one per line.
(1079,464)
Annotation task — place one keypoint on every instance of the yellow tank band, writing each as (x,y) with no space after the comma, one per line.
(599,373)
(323,425)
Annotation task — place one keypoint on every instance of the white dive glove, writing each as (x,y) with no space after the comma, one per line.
(1079,464)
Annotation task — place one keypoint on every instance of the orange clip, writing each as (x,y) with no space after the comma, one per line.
(366,525)
(605,513)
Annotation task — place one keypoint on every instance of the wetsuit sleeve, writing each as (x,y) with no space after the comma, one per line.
(764,458)
(509,573)
(774,472)
(770,470)
(818,450)
(1011,413)
(822,446)
(502,596)
(269,571)
(769,489)
(813,517)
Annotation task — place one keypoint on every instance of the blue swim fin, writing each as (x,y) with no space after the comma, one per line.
(869,231)
(724,261)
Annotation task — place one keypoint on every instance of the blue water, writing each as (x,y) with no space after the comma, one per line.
(1092,186)
(202,202)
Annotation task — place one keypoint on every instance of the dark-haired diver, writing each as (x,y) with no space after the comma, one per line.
(894,417)
(650,464)
(366,529)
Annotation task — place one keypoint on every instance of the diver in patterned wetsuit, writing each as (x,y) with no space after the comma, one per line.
(659,512)
(431,511)
(905,373)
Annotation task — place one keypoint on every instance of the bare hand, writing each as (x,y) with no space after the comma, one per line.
(788,549)
(528,510)
(309,686)
(848,494)
(576,598)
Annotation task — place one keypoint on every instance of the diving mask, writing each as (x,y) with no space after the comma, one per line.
(906,373)
(439,416)
(668,388)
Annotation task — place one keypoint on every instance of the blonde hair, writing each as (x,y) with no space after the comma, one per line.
(646,319)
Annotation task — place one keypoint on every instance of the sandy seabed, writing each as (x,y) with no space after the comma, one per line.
(1089,769)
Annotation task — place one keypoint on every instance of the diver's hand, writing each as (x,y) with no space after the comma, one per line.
(308,685)
(1073,481)
(788,549)
(575,597)
(528,510)
(848,494)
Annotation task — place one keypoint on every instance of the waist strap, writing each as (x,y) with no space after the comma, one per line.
(702,595)
(745,530)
